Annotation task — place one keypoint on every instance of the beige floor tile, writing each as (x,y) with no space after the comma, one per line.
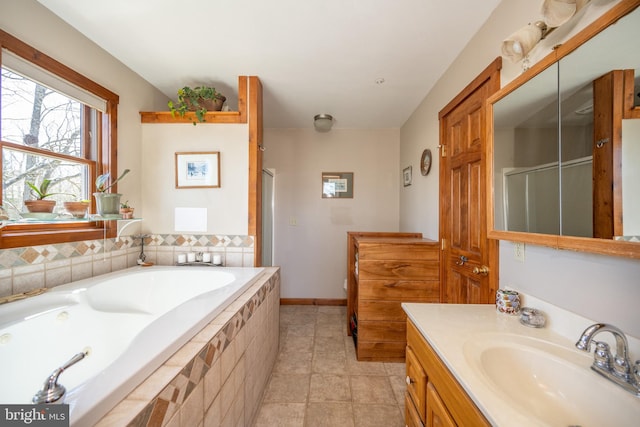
(293,363)
(329,345)
(377,415)
(329,363)
(371,389)
(365,368)
(291,388)
(281,415)
(396,369)
(329,414)
(329,388)
(318,382)
(294,344)
(301,330)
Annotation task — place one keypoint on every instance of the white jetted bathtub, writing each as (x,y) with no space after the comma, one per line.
(129,323)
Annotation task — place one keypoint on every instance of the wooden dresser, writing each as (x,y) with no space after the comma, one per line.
(384,270)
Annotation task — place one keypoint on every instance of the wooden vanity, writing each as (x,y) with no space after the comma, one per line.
(434,397)
(384,270)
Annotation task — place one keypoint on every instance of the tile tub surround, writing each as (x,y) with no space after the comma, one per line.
(28,268)
(218,377)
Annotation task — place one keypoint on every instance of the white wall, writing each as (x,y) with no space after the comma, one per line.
(227,206)
(594,286)
(37,26)
(312,253)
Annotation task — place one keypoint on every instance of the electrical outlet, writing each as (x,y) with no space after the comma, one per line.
(518,252)
(293,221)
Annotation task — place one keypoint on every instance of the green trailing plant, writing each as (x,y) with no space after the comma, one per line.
(195,99)
(102,182)
(42,191)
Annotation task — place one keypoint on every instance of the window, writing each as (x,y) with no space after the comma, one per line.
(55,125)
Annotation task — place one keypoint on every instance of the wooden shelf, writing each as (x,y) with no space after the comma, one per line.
(239,116)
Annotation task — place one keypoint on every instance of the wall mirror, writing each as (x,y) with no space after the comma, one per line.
(564,156)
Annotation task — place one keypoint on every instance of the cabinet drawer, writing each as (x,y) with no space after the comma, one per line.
(416,383)
(411,416)
(381,310)
(399,251)
(398,270)
(382,331)
(401,290)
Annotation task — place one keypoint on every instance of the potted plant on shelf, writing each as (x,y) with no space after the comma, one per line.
(107,204)
(39,204)
(77,209)
(125,210)
(199,100)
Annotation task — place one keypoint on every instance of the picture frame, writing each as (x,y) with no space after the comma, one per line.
(406,176)
(197,169)
(337,185)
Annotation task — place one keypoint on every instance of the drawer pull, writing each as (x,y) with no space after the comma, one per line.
(409,380)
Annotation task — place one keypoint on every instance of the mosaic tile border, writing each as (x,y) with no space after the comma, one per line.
(33,255)
(169,400)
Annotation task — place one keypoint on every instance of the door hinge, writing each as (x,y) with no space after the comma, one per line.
(443,150)
(443,244)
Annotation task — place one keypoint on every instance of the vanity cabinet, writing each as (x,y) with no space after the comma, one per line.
(434,397)
(384,271)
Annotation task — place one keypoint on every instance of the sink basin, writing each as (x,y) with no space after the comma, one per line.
(551,384)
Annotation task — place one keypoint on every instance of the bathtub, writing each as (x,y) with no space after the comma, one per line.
(129,322)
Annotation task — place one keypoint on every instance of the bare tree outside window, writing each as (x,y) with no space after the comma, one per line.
(34,116)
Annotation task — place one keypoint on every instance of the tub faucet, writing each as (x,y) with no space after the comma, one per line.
(142,257)
(51,391)
(617,369)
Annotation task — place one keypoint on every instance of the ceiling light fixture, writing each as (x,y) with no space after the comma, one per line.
(323,122)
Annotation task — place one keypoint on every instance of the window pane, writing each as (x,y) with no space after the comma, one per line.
(68,178)
(37,116)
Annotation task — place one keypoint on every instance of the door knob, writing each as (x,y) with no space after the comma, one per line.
(483,270)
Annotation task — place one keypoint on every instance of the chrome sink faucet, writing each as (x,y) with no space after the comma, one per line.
(617,369)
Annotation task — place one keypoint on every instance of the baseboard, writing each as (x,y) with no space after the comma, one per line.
(312,301)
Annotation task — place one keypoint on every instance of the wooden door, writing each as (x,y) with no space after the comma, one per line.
(469,267)
(437,414)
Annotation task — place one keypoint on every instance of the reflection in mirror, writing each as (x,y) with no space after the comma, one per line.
(526,157)
(571,115)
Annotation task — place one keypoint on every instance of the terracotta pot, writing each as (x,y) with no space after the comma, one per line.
(77,209)
(209,104)
(40,205)
(127,213)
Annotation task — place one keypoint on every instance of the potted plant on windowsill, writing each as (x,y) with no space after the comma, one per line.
(199,100)
(77,209)
(107,204)
(39,204)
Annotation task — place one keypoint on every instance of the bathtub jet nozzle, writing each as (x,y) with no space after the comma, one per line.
(51,391)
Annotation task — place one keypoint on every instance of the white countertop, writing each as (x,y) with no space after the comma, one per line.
(449,328)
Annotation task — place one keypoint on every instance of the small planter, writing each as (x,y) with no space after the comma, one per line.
(127,213)
(107,204)
(40,205)
(77,209)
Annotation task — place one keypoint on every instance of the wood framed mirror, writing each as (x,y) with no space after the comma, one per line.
(564,143)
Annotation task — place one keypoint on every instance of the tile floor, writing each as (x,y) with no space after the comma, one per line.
(317,380)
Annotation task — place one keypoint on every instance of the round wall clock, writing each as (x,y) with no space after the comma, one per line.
(425,162)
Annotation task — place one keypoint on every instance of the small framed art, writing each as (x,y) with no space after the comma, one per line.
(406,176)
(198,169)
(337,185)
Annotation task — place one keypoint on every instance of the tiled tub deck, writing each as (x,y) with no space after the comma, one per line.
(218,377)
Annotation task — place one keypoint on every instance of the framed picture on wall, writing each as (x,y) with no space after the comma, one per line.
(337,185)
(198,169)
(406,176)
